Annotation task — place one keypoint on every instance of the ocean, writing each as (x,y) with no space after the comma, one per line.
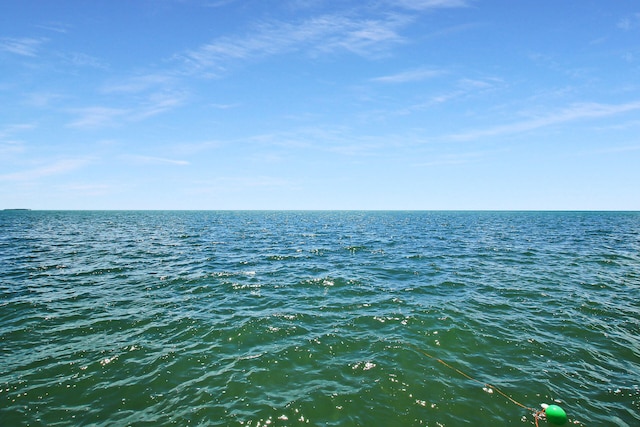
(247,318)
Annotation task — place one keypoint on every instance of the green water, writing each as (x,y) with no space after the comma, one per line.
(318,318)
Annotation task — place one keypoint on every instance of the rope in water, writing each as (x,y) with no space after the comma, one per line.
(536,412)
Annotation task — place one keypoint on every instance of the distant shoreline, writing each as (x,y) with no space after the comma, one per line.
(17,209)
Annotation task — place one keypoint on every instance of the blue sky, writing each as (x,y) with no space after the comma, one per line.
(320,104)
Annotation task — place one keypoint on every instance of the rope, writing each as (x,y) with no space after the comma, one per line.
(536,413)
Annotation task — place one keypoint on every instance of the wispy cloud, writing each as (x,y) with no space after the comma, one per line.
(218,3)
(237,184)
(615,150)
(11,147)
(428,4)
(93,117)
(79,59)
(629,22)
(86,189)
(158,103)
(33,46)
(319,35)
(140,83)
(626,125)
(191,148)
(409,76)
(9,130)
(338,140)
(574,112)
(55,168)
(25,46)
(101,116)
(151,160)
(225,106)
(369,37)
(8,144)
(452,159)
(462,88)
(42,99)
(57,27)
(302,138)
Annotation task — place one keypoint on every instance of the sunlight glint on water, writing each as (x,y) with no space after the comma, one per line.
(318,318)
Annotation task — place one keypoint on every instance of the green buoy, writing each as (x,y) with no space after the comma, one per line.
(555,415)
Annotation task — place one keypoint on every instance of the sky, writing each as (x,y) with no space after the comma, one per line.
(320,104)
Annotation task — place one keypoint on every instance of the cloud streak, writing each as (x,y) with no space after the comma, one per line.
(150,160)
(25,46)
(346,32)
(428,4)
(101,116)
(337,140)
(56,168)
(574,112)
(409,76)
(463,88)
(629,23)
(139,83)
(9,130)
(57,27)
(320,35)
(93,117)
(8,145)
(239,184)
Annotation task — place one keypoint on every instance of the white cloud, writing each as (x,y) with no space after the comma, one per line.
(148,95)
(55,168)
(92,117)
(83,60)
(99,116)
(615,150)
(629,22)
(218,3)
(626,125)
(362,37)
(455,159)
(225,106)
(238,184)
(57,27)
(42,99)
(32,46)
(191,148)
(324,34)
(475,84)
(86,189)
(428,4)
(9,130)
(9,145)
(463,88)
(24,46)
(574,112)
(139,84)
(409,76)
(150,160)
(333,140)
(158,103)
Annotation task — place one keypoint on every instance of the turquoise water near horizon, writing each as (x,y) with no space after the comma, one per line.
(336,318)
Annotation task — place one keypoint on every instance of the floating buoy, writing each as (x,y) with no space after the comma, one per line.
(555,415)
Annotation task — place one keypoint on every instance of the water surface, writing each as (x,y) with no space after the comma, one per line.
(318,318)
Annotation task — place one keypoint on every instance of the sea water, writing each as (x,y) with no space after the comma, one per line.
(318,318)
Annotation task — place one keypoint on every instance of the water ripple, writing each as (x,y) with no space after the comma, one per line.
(318,318)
